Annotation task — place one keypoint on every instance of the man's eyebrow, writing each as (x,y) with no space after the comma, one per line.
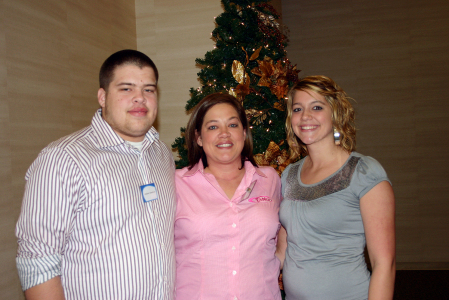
(132,84)
(125,83)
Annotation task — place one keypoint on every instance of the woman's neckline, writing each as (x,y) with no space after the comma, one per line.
(324,179)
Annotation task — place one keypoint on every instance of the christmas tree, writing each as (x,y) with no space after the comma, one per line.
(249,62)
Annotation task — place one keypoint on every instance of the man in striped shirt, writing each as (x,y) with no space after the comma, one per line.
(98,209)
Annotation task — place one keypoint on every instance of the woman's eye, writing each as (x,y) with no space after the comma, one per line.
(296,109)
(149,90)
(317,108)
(212,127)
(234,125)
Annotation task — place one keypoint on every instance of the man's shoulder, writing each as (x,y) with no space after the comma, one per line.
(162,149)
(59,154)
(72,141)
(161,144)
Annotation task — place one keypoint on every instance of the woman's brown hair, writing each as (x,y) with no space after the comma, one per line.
(193,130)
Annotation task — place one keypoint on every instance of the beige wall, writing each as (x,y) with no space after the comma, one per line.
(393,58)
(50,54)
(174,33)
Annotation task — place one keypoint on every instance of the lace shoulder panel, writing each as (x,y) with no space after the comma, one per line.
(339,181)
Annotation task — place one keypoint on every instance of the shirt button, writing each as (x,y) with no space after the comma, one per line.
(234,272)
(235,298)
(233,248)
(231,205)
(165,278)
(234,225)
(162,245)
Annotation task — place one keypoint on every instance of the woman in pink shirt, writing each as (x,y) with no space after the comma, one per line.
(227,210)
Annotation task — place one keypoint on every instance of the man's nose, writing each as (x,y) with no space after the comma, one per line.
(139,96)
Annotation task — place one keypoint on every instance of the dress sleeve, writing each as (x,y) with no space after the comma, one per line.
(369,172)
(52,193)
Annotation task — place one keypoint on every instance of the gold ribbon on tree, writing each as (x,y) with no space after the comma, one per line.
(240,75)
(274,156)
(273,76)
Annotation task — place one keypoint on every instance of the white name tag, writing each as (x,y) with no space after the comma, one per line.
(149,192)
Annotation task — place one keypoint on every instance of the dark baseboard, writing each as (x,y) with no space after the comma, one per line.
(421,284)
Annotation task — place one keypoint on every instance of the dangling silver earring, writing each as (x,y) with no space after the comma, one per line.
(337,137)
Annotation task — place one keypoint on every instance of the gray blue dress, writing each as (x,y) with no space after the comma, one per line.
(324,258)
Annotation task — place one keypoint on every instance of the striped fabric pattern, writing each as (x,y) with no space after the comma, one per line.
(83,217)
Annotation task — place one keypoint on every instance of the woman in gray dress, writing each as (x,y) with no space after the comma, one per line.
(335,201)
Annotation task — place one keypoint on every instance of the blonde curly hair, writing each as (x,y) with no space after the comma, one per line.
(343,117)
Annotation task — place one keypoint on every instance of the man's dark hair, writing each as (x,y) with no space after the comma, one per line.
(120,58)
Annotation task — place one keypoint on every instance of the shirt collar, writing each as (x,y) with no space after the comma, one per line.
(258,170)
(200,167)
(250,169)
(197,167)
(107,137)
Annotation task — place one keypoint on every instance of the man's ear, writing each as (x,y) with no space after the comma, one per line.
(101,95)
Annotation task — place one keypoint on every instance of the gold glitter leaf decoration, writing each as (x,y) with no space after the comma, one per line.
(255,55)
(273,156)
(238,71)
(232,92)
(260,118)
(279,106)
(246,56)
(272,75)
(260,160)
(243,89)
(250,113)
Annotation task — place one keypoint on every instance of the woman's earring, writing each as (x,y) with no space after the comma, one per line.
(337,136)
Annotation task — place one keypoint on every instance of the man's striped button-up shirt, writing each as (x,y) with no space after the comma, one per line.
(84,217)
